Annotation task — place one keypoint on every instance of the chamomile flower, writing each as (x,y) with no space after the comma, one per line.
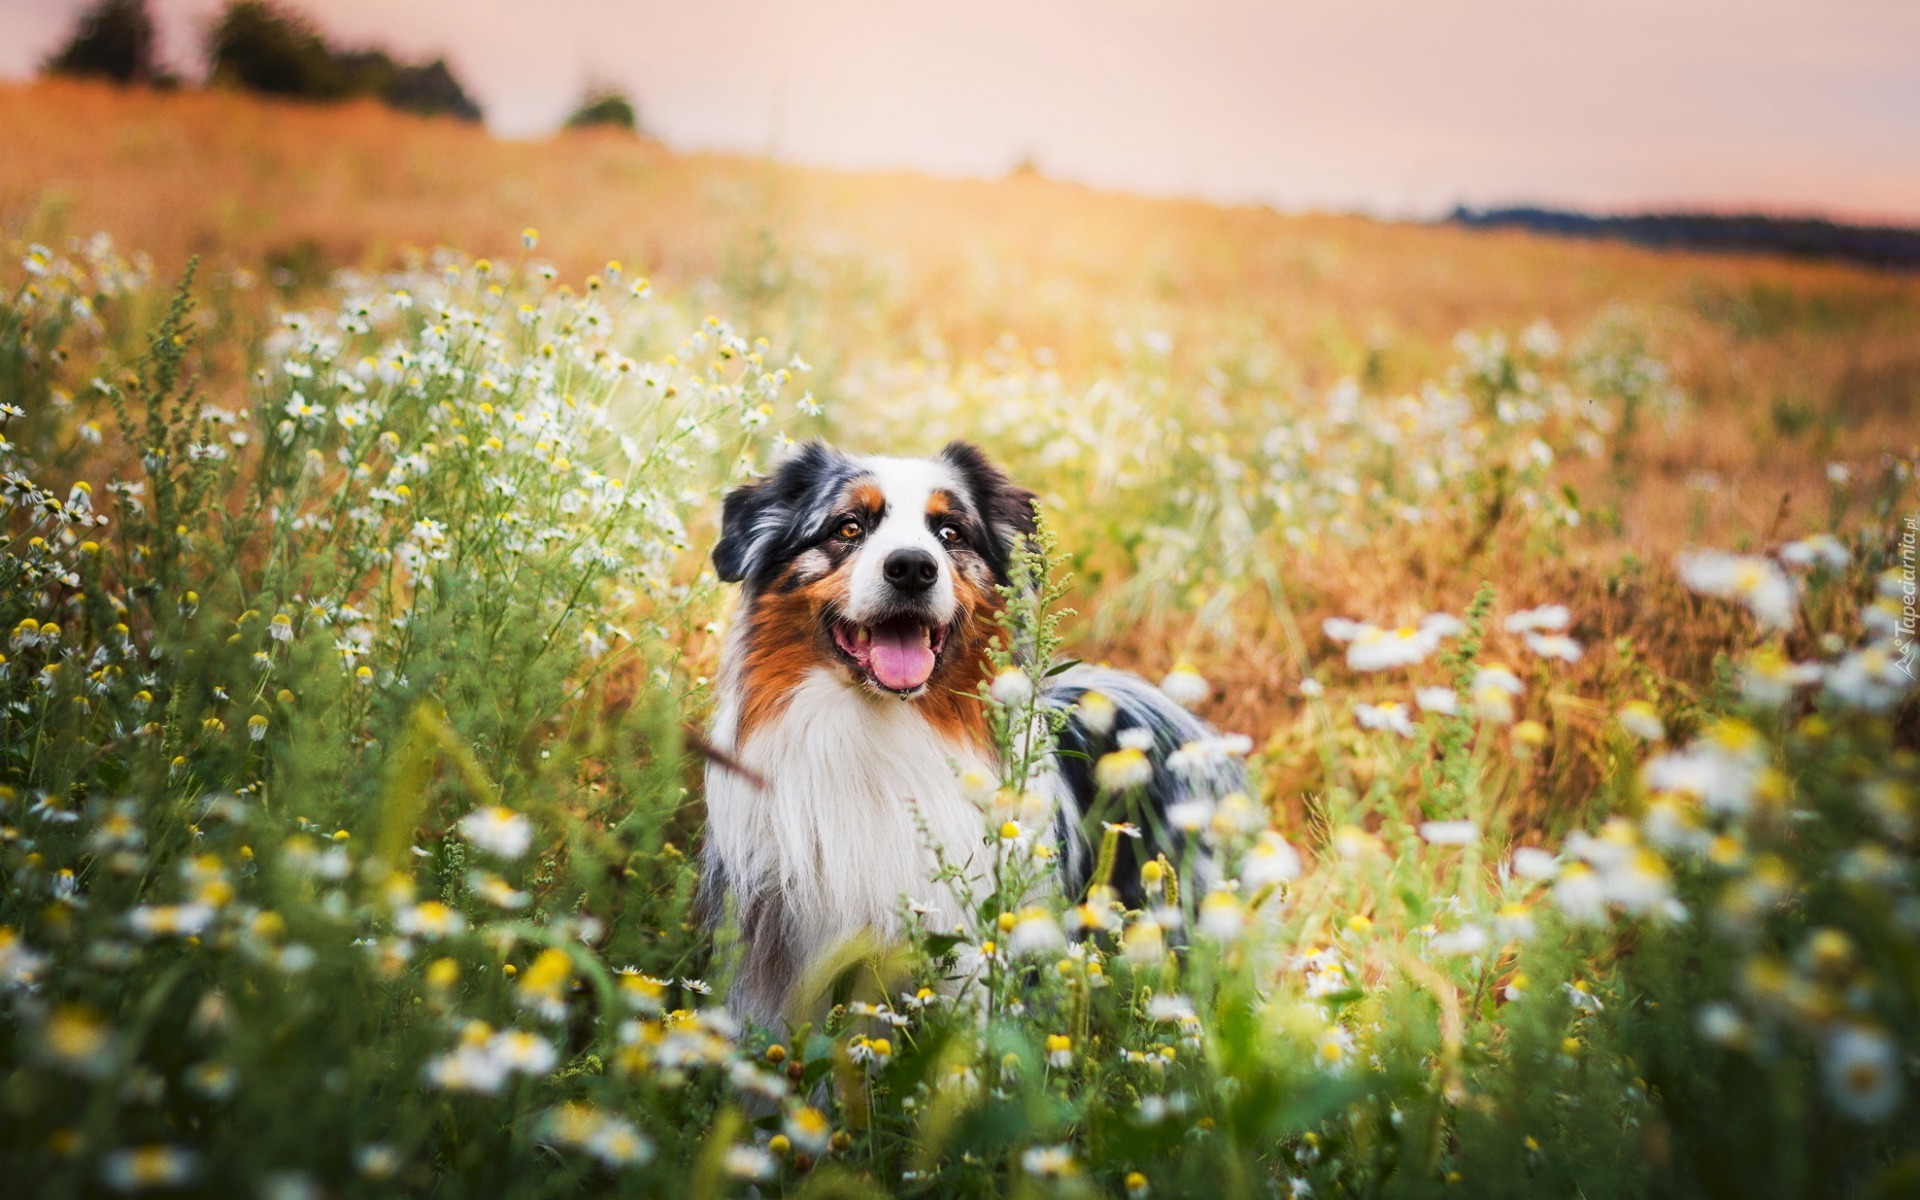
(1184,685)
(1640,719)
(1756,582)
(1011,688)
(145,1168)
(1123,770)
(498,830)
(1270,860)
(1390,716)
(1861,1066)
(1547,616)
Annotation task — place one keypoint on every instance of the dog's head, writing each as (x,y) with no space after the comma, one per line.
(881,566)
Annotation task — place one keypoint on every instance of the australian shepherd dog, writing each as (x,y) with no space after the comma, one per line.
(851,711)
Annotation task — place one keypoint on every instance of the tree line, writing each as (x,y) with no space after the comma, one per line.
(268,47)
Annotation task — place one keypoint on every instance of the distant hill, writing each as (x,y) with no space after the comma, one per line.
(1795,237)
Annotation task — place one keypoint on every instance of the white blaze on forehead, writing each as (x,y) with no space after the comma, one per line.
(908,484)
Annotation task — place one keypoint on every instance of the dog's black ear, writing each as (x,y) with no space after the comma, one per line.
(742,529)
(760,523)
(1006,509)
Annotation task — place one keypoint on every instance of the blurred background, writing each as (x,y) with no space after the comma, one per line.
(1382,106)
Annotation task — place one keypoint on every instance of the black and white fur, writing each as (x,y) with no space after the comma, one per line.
(845,762)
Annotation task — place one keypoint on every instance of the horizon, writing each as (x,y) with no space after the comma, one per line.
(1776,107)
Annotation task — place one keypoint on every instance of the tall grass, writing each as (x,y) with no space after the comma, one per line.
(347,816)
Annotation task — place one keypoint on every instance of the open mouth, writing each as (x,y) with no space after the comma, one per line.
(897,654)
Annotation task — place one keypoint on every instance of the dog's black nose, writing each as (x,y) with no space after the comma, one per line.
(911,571)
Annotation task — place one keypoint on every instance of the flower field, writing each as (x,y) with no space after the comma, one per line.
(358,631)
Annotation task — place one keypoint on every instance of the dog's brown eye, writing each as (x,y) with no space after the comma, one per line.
(850,529)
(949,534)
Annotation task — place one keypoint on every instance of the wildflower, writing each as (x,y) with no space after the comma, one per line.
(1097,713)
(1554,646)
(1581,895)
(1547,616)
(1011,688)
(19,964)
(1334,1047)
(1269,860)
(1203,755)
(1123,770)
(1371,648)
(543,984)
(498,831)
(1872,679)
(1136,1186)
(1822,549)
(1184,686)
(1513,923)
(1035,932)
(1756,582)
(1640,884)
(1353,843)
(1769,678)
(496,891)
(1721,1023)
(376,1161)
(1059,1051)
(1723,770)
(1443,700)
(1144,943)
(1450,833)
(1221,916)
(748,1162)
(143,1167)
(170,920)
(430,919)
(874,1053)
(1530,862)
(1494,688)
(1049,1162)
(1580,994)
(1391,716)
(1861,1067)
(519,1050)
(809,1128)
(78,1039)
(1638,718)
(1468,939)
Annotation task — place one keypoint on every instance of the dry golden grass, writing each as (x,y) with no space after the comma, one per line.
(1792,364)
(1788,365)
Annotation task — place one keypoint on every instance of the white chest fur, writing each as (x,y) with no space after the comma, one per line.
(859,790)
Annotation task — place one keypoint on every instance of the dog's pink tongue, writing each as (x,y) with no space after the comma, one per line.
(901,658)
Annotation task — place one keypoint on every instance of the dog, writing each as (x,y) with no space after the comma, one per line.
(850,713)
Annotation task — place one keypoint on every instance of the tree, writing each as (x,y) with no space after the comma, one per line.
(605,106)
(113,39)
(266,48)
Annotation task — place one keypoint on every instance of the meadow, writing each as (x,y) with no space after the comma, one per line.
(359,472)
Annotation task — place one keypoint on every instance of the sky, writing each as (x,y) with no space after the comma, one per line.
(1395,107)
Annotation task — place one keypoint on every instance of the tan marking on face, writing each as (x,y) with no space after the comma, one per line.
(784,642)
(866,498)
(939,503)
